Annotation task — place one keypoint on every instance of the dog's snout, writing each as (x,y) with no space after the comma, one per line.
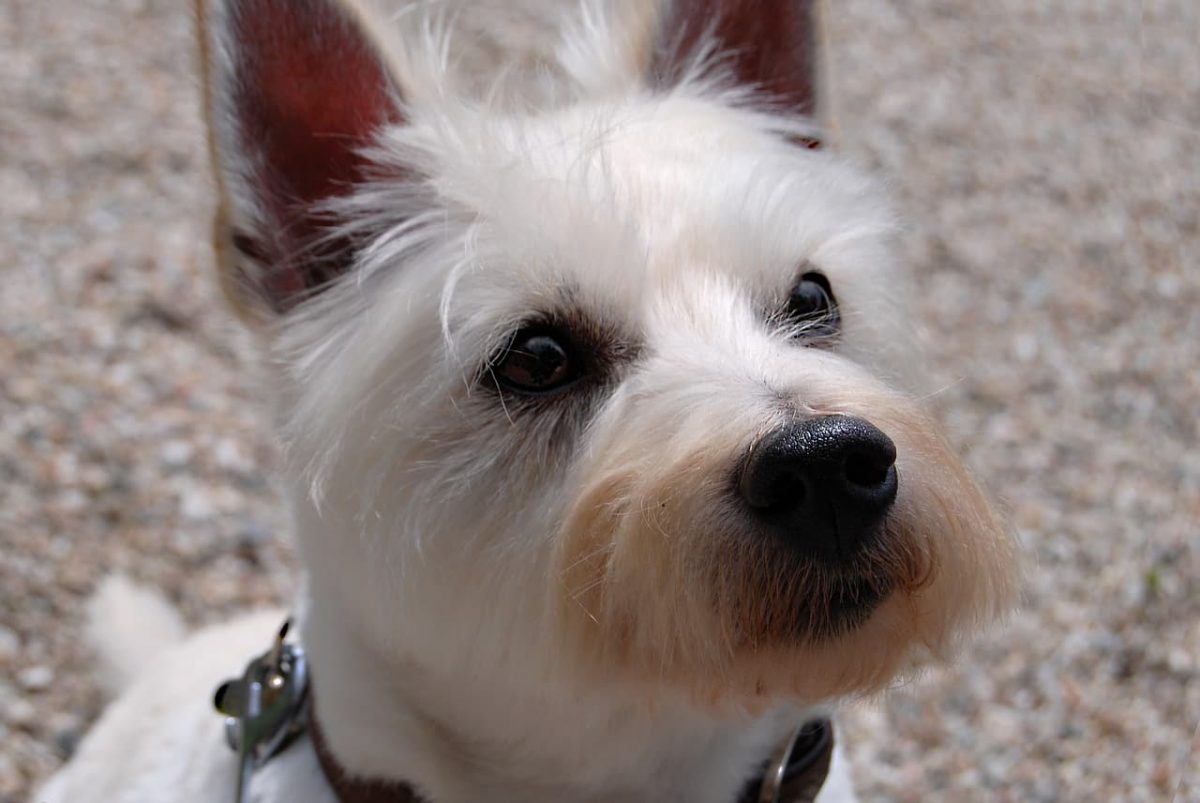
(824,484)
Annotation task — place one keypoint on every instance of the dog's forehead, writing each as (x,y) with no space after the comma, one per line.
(622,200)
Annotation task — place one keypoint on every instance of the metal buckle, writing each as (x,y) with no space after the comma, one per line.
(265,708)
(816,736)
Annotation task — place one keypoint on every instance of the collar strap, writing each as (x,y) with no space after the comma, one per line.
(795,775)
(348,788)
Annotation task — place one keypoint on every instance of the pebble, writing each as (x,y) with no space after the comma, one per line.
(11,780)
(197,505)
(176,454)
(36,678)
(230,457)
(20,713)
(10,645)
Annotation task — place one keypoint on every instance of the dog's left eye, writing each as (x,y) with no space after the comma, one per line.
(812,306)
(539,359)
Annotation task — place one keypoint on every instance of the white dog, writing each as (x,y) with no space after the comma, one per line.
(601,418)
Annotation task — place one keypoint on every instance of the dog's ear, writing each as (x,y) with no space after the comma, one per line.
(772,46)
(294,90)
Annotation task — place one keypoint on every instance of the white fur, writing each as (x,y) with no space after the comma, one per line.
(449,644)
(128,626)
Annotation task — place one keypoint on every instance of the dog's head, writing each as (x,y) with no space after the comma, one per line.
(605,371)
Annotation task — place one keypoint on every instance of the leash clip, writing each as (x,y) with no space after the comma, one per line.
(265,708)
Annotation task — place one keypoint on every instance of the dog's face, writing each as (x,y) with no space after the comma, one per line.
(618,388)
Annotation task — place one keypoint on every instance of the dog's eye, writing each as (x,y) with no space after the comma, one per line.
(811,305)
(539,359)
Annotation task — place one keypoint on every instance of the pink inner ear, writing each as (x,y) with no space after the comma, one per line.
(310,92)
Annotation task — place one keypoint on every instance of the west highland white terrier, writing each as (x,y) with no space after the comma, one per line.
(602,422)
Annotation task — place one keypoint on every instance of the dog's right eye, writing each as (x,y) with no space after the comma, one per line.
(811,306)
(539,359)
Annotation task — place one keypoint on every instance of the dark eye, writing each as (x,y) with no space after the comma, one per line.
(811,306)
(539,359)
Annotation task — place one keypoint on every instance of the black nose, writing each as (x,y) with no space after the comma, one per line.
(824,485)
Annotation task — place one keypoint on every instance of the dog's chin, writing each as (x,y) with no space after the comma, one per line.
(849,607)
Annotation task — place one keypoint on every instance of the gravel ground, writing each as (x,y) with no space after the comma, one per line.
(1048,156)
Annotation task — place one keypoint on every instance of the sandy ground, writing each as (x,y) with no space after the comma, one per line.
(1047,155)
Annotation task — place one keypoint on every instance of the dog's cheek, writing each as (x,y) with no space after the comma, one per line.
(973,569)
(634,591)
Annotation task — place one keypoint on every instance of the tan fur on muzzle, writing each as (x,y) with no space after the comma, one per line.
(663,578)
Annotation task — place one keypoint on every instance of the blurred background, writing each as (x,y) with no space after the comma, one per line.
(1047,156)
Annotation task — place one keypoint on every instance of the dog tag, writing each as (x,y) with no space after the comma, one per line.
(265,708)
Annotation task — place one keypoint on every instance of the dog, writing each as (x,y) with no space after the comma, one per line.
(603,424)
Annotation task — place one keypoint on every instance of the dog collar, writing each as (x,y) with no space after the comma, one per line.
(270,705)
(794,775)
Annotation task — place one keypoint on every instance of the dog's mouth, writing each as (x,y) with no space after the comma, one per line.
(798,599)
